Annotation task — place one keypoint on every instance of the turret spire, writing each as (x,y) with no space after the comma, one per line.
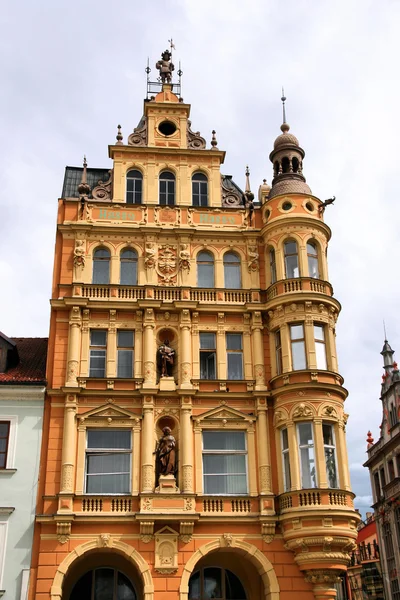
(84,187)
(387,354)
(283,105)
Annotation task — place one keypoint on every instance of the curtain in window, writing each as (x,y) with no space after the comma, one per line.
(205,270)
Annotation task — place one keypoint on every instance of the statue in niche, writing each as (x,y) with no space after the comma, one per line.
(165,452)
(165,360)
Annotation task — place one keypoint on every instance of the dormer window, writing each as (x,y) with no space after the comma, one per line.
(167,188)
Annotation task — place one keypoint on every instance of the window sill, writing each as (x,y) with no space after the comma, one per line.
(2,592)
(7,471)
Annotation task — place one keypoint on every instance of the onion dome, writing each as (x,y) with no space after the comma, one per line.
(285,138)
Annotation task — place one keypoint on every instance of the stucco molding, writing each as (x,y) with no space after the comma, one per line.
(22,393)
(233,544)
(122,548)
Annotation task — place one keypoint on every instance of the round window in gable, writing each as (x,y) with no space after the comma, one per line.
(167,128)
(287,206)
(310,206)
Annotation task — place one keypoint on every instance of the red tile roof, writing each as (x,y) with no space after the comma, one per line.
(31,369)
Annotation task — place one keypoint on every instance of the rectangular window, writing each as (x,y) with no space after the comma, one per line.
(224,462)
(125,343)
(320,346)
(391,470)
(307,459)
(199,193)
(278,352)
(383,478)
(377,485)
(287,483)
(108,461)
(398,465)
(234,355)
(298,345)
(3,537)
(98,350)
(4,443)
(208,355)
(133,190)
(330,455)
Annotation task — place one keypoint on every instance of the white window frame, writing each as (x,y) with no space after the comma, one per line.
(12,439)
(228,352)
(97,349)
(126,349)
(3,545)
(89,451)
(285,452)
(244,452)
(320,344)
(330,447)
(300,446)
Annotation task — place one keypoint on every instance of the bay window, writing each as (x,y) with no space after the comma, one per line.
(224,462)
(306,452)
(291,259)
(330,455)
(312,256)
(108,461)
(320,346)
(272,265)
(287,484)
(278,352)
(298,346)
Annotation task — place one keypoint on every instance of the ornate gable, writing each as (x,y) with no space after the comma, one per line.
(224,416)
(110,414)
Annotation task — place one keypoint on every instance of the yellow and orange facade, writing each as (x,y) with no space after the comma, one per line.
(164,248)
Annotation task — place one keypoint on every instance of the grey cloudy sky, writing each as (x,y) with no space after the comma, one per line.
(71,71)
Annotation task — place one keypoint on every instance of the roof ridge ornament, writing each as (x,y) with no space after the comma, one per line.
(119,136)
(84,188)
(214,142)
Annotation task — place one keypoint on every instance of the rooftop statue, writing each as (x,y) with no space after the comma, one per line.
(165,66)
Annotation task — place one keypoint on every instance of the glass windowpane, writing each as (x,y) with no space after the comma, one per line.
(207,341)
(224,440)
(234,341)
(125,339)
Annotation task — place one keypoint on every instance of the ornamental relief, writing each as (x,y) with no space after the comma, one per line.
(167,264)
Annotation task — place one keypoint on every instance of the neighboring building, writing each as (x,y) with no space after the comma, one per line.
(384,467)
(180,315)
(365,571)
(22,389)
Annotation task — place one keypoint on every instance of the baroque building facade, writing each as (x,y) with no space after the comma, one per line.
(194,444)
(384,468)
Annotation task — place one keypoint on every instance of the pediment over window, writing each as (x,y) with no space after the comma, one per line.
(224,415)
(166,531)
(107,411)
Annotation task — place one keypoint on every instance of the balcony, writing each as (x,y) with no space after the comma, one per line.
(392,489)
(165,294)
(299,285)
(315,499)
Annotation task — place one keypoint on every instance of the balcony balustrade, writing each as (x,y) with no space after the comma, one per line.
(312,499)
(299,285)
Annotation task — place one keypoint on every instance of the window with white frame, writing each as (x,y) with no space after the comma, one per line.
(320,346)
(3,540)
(278,352)
(97,353)
(307,459)
(224,462)
(312,256)
(298,346)
(291,259)
(208,356)
(108,461)
(272,265)
(330,455)
(287,482)
(125,347)
(234,355)
(4,442)
(232,276)
(199,189)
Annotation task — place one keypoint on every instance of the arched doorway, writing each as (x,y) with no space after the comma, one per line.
(215,582)
(103,583)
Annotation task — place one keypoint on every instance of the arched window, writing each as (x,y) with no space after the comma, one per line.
(312,255)
(272,265)
(232,270)
(167,188)
(129,259)
(291,259)
(205,269)
(199,190)
(101,583)
(134,180)
(214,582)
(101,266)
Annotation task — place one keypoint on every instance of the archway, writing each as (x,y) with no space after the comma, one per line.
(256,573)
(104,552)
